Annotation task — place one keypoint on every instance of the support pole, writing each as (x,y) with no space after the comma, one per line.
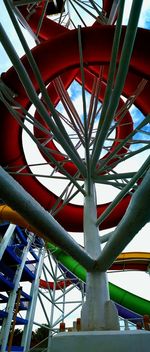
(98,312)
(6,238)
(10,342)
(12,298)
(120,79)
(27,334)
(136,216)
(43,223)
(30,90)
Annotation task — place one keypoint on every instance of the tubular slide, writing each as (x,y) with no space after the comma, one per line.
(117,294)
(126,261)
(10,142)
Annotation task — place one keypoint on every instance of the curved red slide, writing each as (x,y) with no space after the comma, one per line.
(50,30)
(58,286)
(11,143)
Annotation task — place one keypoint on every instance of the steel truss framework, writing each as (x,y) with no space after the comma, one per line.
(84,151)
(54,294)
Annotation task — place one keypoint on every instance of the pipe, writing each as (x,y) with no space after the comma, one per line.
(41,221)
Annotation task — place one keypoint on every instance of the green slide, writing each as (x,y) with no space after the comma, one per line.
(128,300)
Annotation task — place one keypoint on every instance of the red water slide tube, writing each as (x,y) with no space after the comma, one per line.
(50,66)
(49,30)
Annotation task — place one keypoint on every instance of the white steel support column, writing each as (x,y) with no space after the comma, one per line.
(27,334)
(41,221)
(53,297)
(98,312)
(52,309)
(6,238)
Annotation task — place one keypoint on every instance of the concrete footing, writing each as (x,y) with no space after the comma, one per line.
(101,341)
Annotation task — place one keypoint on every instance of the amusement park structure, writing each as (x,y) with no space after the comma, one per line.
(68,135)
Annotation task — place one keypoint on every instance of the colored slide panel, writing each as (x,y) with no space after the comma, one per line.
(128,314)
(58,286)
(132,261)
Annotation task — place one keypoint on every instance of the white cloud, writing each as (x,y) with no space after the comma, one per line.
(144,16)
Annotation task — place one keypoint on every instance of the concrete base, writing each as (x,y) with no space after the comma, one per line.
(101,341)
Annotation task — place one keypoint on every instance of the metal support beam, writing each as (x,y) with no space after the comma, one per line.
(44,224)
(24,77)
(113,11)
(95,315)
(12,298)
(136,216)
(114,153)
(6,238)
(87,150)
(110,83)
(120,78)
(27,333)
(124,191)
(38,76)
(53,297)
(41,147)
